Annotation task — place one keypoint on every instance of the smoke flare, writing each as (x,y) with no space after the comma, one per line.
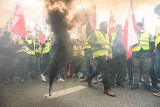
(57,15)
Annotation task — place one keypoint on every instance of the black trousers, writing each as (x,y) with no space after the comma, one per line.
(5,66)
(130,69)
(23,66)
(76,65)
(32,65)
(45,63)
(101,67)
(118,69)
(153,75)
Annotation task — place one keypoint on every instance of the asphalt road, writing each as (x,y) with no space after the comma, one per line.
(69,94)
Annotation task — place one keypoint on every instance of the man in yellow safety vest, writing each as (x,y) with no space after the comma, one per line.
(142,53)
(101,50)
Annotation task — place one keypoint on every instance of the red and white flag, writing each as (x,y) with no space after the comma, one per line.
(34,31)
(18,22)
(129,33)
(94,19)
(112,24)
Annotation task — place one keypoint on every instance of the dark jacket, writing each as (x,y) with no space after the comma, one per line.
(118,48)
(6,44)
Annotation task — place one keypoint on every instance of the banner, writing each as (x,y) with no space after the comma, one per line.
(18,22)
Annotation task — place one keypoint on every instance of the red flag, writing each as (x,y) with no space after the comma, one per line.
(94,21)
(143,20)
(112,24)
(129,35)
(18,23)
(42,38)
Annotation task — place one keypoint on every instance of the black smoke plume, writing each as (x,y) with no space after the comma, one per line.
(58,21)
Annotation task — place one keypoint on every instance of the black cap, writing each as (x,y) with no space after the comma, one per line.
(140,24)
(119,26)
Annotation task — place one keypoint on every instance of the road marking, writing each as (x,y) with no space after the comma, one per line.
(64,92)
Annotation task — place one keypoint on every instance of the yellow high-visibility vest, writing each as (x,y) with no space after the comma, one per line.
(30,42)
(77,51)
(38,50)
(104,50)
(24,48)
(157,40)
(86,45)
(47,48)
(143,43)
(113,35)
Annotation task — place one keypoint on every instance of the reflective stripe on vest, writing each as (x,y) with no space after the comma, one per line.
(76,51)
(113,35)
(47,47)
(30,42)
(86,45)
(23,48)
(104,50)
(144,43)
(38,50)
(157,35)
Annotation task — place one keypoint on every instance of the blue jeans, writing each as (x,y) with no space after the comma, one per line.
(158,63)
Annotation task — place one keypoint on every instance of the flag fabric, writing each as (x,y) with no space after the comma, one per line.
(34,31)
(112,24)
(42,38)
(129,32)
(18,22)
(94,20)
(143,21)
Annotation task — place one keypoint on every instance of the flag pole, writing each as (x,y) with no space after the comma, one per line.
(131,4)
(114,18)
(112,23)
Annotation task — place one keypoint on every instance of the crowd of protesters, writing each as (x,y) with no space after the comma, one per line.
(24,57)
(99,56)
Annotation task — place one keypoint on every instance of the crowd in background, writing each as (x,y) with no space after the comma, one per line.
(98,56)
